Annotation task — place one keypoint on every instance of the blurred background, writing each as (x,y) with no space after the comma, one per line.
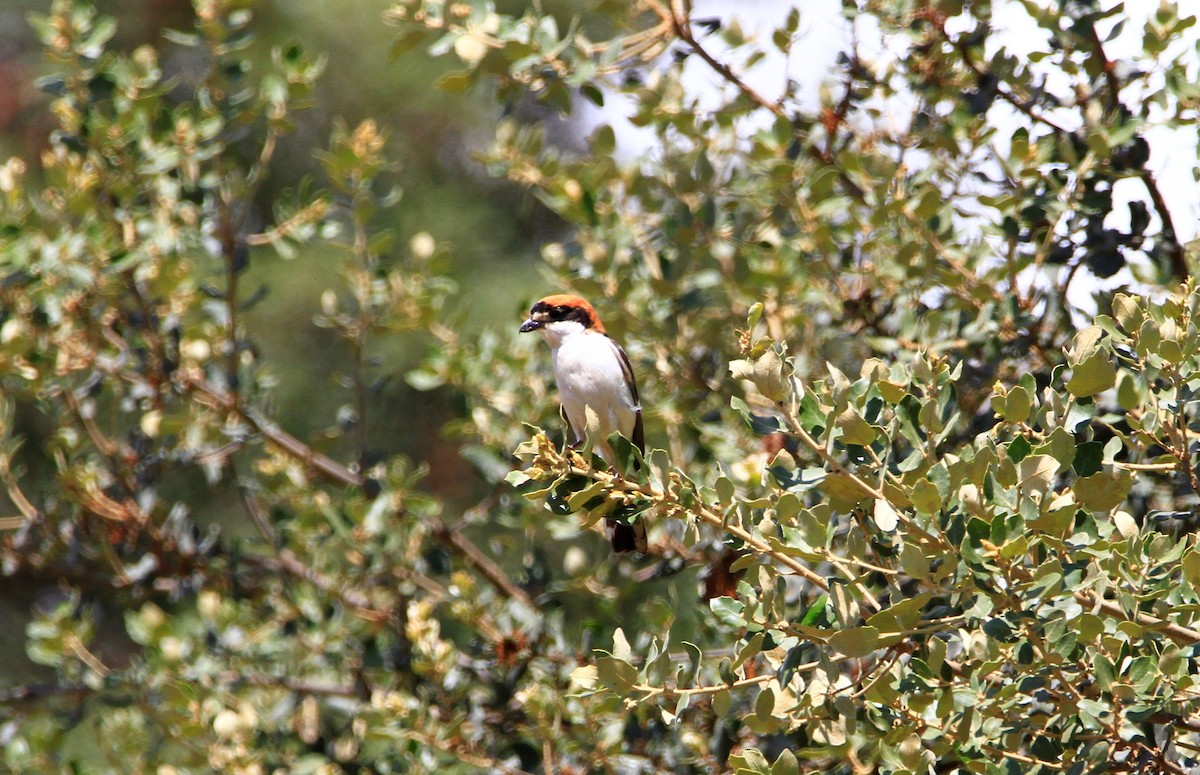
(488,231)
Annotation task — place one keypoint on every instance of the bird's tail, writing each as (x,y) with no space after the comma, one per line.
(626,537)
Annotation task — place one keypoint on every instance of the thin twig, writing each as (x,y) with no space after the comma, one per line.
(665,692)
(1176,632)
(964,53)
(683,30)
(705,514)
(323,465)
(797,429)
(1174,251)
(254,509)
(288,562)
(35,692)
(484,564)
(460,750)
(1179,267)
(681,24)
(29,512)
(293,685)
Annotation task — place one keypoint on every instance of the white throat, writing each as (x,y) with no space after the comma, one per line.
(560,331)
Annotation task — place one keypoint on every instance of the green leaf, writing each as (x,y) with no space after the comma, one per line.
(603,141)
(407,40)
(786,764)
(1103,491)
(999,630)
(1097,710)
(926,497)
(585,677)
(1126,525)
(1102,669)
(754,314)
(1094,375)
(901,617)
(856,641)
(1128,392)
(593,93)
(914,562)
(843,491)
(1037,473)
(722,703)
(817,614)
(586,496)
(764,704)
(517,478)
(885,517)
(101,32)
(456,82)
(615,674)
(759,424)
(621,649)
(1191,567)
(729,611)
(1084,344)
(768,375)
(1017,405)
(855,430)
(752,648)
(1060,445)
(844,605)
(1127,312)
(749,762)
(1089,458)
(1018,449)
(811,415)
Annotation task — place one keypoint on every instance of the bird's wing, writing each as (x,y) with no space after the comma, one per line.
(627,370)
(639,433)
(562,413)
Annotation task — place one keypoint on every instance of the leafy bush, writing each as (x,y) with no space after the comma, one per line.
(908,513)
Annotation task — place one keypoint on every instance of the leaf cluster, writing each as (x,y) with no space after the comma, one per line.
(911,507)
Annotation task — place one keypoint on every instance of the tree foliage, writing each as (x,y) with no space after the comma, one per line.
(911,508)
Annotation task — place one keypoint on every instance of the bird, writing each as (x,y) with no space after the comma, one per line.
(592,372)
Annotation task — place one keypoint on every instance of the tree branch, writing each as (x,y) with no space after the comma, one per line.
(287,562)
(325,466)
(964,53)
(1174,251)
(681,25)
(705,514)
(483,564)
(1170,242)
(1183,636)
(683,30)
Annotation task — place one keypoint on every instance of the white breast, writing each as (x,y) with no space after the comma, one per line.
(589,371)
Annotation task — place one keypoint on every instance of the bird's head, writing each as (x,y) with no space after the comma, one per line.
(561,315)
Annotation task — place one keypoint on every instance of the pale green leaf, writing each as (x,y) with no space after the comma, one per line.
(885,517)
(1093,375)
(1103,491)
(621,649)
(856,641)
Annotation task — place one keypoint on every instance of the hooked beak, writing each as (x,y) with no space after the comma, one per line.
(530,325)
